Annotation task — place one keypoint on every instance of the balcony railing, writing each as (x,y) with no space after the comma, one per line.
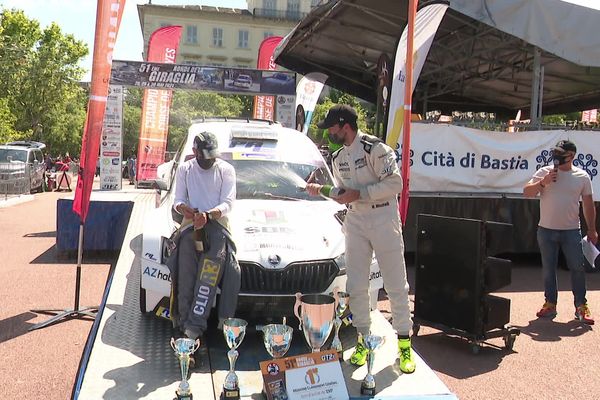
(279,14)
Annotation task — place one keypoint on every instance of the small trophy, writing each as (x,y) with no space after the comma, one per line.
(372,342)
(342,304)
(277,339)
(234,330)
(184,348)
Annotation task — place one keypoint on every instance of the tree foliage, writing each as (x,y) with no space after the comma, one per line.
(39,83)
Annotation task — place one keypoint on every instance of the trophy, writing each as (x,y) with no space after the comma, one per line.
(277,339)
(184,348)
(342,304)
(234,330)
(315,313)
(372,342)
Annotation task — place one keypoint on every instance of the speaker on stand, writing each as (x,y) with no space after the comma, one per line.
(457,267)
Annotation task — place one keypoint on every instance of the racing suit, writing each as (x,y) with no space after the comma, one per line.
(372,223)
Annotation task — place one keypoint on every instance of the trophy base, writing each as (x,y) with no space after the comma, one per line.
(183,396)
(230,394)
(365,391)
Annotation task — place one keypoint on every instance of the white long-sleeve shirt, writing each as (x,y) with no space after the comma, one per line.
(368,165)
(205,189)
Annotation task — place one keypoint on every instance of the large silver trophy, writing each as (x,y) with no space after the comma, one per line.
(184,348)
(372,342)
(315,313)
(342,304)
(234,330)
(277,339)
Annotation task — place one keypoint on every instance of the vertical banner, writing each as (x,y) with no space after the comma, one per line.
(108,19)
(154,127)
(307,94)
(427,21)
(589,116)
(264,106)
(111,145)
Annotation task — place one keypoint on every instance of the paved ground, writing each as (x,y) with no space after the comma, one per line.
(557,359)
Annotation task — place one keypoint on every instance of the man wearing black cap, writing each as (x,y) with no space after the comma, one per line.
(204,194)
(367,169)
(560,187)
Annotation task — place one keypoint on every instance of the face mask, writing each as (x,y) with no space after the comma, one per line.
(335,138)
(205,164)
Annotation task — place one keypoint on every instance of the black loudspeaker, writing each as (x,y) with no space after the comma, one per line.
(456,269)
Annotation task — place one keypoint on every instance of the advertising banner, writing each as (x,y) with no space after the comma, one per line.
(154,126)
(111,145)
(196,77)
(447,159)
(108,19)
(307,94)
(264,106)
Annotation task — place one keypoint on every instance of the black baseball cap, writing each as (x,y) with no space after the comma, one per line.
(206,144)
(564,146)
(338,114)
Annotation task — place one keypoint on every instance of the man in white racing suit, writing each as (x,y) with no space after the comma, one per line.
(367,170)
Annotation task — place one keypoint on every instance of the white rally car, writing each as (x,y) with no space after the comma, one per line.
(287,241)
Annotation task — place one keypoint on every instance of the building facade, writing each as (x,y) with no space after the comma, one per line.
(217,36)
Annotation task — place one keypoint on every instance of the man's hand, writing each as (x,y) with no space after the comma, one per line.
(348,196)
(592,236)
(200,219)
(313,189)
(186,211)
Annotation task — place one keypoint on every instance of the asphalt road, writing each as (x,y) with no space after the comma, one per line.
(557,359)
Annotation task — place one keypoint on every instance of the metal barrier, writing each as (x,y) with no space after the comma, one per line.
(13,181)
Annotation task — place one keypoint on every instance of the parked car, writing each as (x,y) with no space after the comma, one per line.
(22,167)
(243,81)
(287,241)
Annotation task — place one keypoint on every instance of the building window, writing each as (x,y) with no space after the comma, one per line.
(270,8)
(218,37)
(191,34)
(243,39)
(268,34)
(293,9)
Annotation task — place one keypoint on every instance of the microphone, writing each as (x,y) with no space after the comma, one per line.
(556,162)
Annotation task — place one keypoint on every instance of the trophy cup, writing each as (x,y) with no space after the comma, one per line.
(342,304)
(277,339)
(234,330)
(184,348)
(315,313)
(372,342)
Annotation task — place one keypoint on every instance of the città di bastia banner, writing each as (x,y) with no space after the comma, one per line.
(458,161)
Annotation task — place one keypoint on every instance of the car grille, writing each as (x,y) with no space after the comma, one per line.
(304,277)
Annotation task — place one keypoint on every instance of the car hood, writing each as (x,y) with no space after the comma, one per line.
(275,233)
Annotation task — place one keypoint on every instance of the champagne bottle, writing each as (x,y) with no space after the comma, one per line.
(200,238)
(331,191)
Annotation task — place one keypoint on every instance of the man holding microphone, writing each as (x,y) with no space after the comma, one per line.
(560,188)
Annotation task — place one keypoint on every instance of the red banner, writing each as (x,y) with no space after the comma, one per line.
(264,106)
(108,19)
(154,127)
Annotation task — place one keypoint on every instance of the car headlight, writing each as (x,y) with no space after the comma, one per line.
(341,263)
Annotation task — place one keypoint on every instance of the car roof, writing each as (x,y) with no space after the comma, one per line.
(24,144)
(245,139)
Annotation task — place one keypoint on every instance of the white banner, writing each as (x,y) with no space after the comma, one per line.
(111,145)
(427,22)
(454,159)
(307,94)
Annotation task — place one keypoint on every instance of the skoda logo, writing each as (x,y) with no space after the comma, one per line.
(274,259)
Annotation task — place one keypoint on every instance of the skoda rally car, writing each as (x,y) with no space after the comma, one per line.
(287,241)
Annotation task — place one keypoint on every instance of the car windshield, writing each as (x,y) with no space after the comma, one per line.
(13,155)
(275,179)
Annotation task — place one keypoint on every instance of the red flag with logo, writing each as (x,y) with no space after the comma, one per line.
(108,19)
(154,127)
(264,106)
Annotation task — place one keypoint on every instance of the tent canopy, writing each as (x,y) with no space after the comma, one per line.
(482,57)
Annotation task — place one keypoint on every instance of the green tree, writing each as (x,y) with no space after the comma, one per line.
(39,80)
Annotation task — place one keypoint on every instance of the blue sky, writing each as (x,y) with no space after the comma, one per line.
(78,17)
